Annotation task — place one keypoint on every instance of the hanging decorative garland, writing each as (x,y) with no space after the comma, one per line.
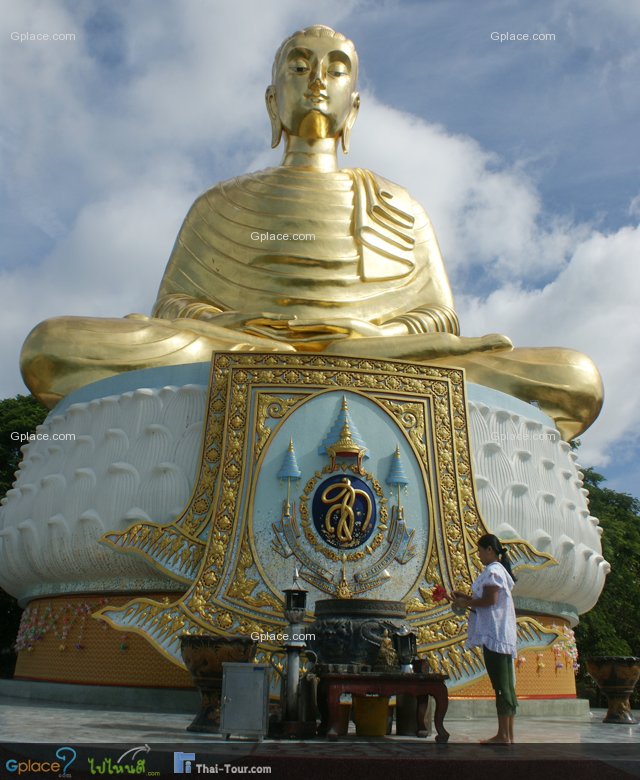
(35,624)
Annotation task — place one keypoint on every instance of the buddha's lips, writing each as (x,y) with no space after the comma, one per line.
(316,97)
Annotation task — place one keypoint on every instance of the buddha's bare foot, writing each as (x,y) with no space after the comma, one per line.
(446,344)
(419,346)
(494,342)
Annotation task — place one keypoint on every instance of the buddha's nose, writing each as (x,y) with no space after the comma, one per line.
(316,86)
(317,77)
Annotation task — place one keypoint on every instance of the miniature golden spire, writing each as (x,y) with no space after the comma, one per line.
(345,446)
(343,591)
(345,443)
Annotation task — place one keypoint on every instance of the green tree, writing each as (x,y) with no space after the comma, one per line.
(10,614)
(613,625)
(19,415)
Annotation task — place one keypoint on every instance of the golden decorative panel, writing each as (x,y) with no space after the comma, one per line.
(247,530)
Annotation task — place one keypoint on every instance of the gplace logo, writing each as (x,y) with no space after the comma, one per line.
(182,762)
(44,766)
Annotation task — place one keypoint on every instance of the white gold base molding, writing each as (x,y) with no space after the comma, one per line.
(529,487)
(135,456)
(525,606)
(129,457)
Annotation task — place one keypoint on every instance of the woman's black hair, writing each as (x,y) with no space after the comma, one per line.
(491,540)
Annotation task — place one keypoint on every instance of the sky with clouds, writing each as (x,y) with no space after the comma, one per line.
(524,154)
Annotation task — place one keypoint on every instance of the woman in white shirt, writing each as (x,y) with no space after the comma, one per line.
(492,626)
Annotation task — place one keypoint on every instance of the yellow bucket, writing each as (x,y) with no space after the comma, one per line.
(370,715)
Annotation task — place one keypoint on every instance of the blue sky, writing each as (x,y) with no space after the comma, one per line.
(524,153)
(569,108)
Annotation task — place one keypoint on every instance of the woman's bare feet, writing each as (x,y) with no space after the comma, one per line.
(505,732)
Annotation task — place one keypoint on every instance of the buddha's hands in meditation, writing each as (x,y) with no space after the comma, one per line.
(224,326)
(250,321)
(319,331)
(289,329)
(351,336)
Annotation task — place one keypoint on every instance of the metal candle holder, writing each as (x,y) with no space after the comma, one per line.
(295,600)
(405,644)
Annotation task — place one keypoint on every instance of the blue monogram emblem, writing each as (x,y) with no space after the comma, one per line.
(344,511)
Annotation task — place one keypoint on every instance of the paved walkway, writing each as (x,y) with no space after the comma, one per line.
(23,720)
(614,749)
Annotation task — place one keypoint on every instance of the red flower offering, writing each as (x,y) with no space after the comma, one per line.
(439,593)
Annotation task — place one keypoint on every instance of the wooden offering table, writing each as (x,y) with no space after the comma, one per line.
(332,686)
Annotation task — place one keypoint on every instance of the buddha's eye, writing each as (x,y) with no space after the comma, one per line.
(338,69)
(299,66)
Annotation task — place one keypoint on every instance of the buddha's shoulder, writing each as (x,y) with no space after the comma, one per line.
(291,182)
(394,195)
(272,180)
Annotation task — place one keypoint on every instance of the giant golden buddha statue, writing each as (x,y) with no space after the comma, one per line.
(307,257)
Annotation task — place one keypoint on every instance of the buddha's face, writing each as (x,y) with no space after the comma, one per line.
(315,87)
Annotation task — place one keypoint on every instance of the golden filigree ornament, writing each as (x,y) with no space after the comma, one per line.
(352,544)
(177,549)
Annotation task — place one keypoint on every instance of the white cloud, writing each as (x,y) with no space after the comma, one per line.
(483,213)
(592,306)
(109,265)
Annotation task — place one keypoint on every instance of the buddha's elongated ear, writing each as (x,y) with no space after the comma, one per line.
(274,118)
(351,120)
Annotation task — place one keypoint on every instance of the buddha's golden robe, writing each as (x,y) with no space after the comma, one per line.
(369,252)
(361,254)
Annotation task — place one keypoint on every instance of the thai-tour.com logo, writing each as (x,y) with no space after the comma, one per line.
(184,763)
(66,755)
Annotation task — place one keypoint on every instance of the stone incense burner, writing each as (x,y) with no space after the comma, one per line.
(616,676)
(349,632)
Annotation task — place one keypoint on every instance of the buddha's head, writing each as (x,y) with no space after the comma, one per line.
(312,94)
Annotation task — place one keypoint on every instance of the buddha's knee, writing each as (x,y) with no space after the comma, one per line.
(566,384)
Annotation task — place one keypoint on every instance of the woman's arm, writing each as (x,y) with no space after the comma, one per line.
(488,599)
